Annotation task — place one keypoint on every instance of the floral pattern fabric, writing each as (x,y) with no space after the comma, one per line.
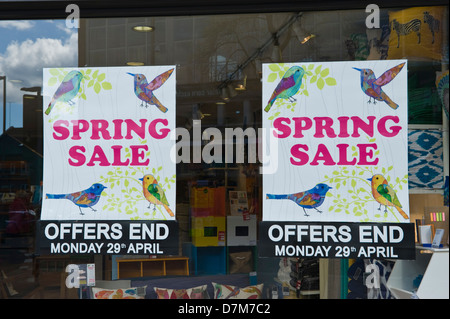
(233,292)
(199,292)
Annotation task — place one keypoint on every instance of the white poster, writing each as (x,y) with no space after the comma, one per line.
(107,143)
(340,131)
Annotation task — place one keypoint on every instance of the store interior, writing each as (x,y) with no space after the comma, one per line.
(218,61)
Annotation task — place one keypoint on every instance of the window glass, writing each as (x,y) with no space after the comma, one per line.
(218,62)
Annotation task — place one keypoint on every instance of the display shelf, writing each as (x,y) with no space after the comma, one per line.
(432,264)
(310,292)
(241,232)
(149,267)
(208,231)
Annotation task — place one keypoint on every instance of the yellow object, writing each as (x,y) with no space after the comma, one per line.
(208,231)
(416,33)
(388,197)
(202,197)
(151,189)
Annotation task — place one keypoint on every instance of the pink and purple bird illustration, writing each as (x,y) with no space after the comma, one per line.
(372,86)
(144,90)
(67,90)
(311,198)
(288,86)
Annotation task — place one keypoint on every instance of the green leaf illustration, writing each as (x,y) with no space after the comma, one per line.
(106,86)
(101,77)
(272,77)
(274,67)
(318,69)
(52,81)
(97,87)
(320,83)
(325,72)
(330,81)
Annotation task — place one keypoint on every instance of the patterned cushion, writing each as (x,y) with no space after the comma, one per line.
(186,282)
(120,293)
(190,293)
(425,162)
(222,291)
(416,33)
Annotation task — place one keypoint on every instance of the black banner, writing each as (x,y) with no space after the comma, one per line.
(108,237)
(337,240)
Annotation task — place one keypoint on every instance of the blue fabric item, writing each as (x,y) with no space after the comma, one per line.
(446,191)
(425,160)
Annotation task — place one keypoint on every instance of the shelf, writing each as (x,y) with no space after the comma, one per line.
(309,292)
(431,250)
(177,267)
(152,267)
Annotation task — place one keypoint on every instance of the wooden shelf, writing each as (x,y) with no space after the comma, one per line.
(152,267)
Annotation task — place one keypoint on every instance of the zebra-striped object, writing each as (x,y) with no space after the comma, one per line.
(432,22)
(406,28)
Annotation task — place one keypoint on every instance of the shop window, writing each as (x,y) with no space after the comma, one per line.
(218,59)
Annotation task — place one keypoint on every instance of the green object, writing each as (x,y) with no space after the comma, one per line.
(344,278)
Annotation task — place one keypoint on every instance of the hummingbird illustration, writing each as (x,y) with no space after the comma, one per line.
(154,193)
(371,85)
(144,90)
(85,198)
(288,86)
(384,194)
(311,198)
(67,90)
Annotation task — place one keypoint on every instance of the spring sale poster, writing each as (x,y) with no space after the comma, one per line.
(337,147)
(107,143)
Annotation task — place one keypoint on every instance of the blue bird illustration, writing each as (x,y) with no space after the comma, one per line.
(144,90)
(372,86)
(67,90)
(85,198)
(311,198)
(288,86)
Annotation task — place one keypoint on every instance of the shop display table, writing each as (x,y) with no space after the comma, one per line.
(146,267)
